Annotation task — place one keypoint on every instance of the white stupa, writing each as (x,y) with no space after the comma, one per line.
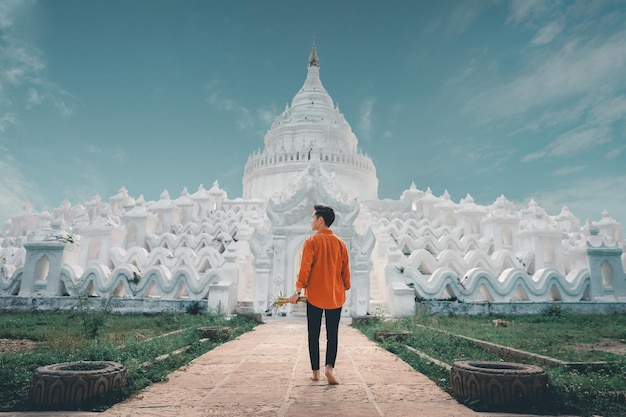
(311,126)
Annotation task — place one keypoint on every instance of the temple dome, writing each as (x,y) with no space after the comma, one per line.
(311,125)
(312,91)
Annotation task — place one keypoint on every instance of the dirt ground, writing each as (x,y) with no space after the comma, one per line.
(9,345)
(605,345)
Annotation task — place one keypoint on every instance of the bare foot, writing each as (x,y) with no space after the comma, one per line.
(330,377)
(316,376)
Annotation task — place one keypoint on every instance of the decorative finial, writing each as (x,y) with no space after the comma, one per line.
(313,59)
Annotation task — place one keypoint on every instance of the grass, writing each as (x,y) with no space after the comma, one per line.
(554,333)
(129,339)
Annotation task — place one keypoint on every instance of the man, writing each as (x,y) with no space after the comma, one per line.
(325,274)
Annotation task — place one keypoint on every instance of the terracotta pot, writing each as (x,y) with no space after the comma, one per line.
(498,385)
(74,385)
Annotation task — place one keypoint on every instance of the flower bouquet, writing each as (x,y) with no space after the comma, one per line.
(279,301)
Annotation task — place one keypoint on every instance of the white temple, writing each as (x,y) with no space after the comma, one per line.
(311,126)
(238,255)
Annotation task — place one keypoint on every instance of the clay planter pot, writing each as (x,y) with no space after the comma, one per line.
(75,385)
(216,333)
(498,385)
(387,335)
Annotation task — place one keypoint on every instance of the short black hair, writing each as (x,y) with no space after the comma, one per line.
(326,213)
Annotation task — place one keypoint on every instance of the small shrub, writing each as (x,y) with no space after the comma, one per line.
(94,319)
(553,311)
(194,308)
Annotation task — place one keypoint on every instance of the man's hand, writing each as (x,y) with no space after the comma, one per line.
(294,298)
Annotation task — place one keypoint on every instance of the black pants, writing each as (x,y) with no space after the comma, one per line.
(314,321)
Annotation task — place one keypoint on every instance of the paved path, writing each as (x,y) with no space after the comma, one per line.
(266,372)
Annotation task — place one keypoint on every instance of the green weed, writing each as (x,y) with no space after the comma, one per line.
(556,333)
(133,340)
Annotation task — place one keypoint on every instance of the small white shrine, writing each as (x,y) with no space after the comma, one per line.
(237,255)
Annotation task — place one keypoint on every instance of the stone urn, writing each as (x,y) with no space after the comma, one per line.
(75,385)
(498,385)
(216,333)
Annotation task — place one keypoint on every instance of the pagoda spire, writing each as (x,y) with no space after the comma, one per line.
(313,59)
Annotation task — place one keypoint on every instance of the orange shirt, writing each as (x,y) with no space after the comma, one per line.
(324,270)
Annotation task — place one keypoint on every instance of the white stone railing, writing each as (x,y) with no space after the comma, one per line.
(512,285)
(260,160)
(183,280)
(437,245)
(201,261)
(173,242)
(428,263)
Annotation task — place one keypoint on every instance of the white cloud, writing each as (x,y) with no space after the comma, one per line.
(547,33)
(609,110)
(577,92)
(33,97)
(576,70)
(467,71)
(8,8)
(5,20)
(462,16)
(587,198)
(365,118)
(23,68)
(246,118)
(15,189)
(533,156)
(6,120)
(577,140)
(595,130)
(21,61)
(268,115)
(572,113)
(523,9)
(63,108)
(119,157)
(471,151)
(52,94)
(497,164)
(569,170)
(14,75)
(615,152)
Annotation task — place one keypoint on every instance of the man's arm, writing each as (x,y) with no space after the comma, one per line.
(345,268)
(305,266)
(305,269)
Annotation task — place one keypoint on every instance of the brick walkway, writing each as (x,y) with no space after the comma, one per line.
(266,372)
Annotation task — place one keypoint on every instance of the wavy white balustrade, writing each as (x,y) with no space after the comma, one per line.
(157,282)
(512,285)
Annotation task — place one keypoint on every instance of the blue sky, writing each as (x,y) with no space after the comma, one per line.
(522,98)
